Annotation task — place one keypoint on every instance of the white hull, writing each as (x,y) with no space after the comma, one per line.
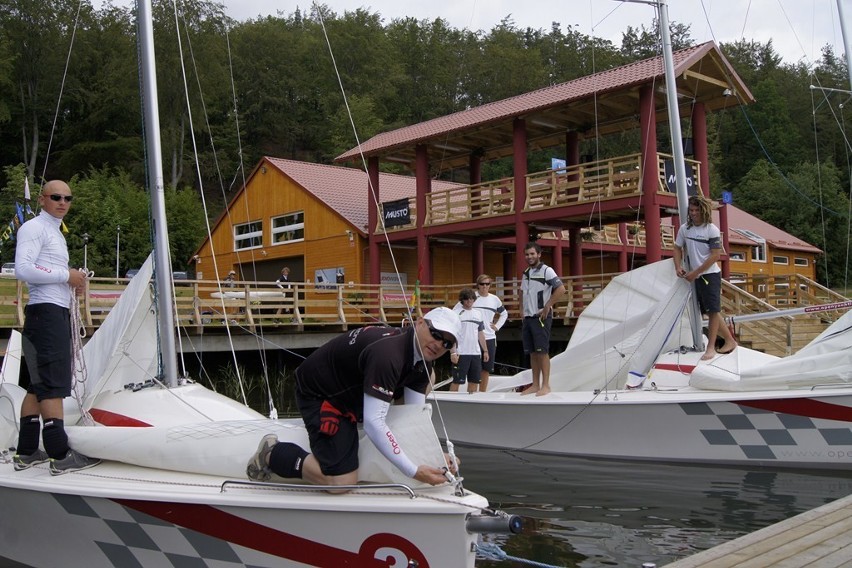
(114,513)
(179,491)
(741,408)
(782,429)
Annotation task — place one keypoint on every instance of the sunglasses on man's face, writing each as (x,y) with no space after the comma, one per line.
(485,283)
(438,336)
(57,197)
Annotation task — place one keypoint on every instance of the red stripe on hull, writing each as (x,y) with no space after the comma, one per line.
(108,418)
(237,530)
(687,369)
(803,407)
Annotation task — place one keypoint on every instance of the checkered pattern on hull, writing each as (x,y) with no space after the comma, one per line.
(768,431)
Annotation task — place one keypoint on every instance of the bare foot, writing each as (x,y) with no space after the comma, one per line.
(727,348)
(529,390)
(709,354)
(543,391)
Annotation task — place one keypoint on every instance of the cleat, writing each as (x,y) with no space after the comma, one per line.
(258,466)
(21,462)
(73,461)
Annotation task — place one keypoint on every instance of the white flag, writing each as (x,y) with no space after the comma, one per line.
(27,188)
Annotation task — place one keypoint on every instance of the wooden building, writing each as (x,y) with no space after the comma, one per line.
(567,119)
(336,224)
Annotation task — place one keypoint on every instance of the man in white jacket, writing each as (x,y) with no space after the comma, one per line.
(41,261)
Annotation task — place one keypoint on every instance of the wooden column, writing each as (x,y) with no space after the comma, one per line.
(424,185)
(650,174)
(475,168)
(373,201)
(699,145)
(622,254)
(724,228)
(576,267)
(478,258)
(519,162)
(557,254)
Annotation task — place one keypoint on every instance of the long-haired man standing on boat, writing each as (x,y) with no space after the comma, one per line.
(541,288)
(703,244)
(41,260)
(355,377)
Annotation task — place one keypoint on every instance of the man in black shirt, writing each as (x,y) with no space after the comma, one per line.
(354,378)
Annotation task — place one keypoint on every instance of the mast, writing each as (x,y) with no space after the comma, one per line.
(847,41)
(677,150)
(162,260)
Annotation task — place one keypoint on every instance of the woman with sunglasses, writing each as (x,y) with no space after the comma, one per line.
(41,261)
(354,378)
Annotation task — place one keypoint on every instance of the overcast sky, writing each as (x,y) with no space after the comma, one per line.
(798,28)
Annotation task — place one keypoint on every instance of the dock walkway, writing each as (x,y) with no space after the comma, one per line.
(820,538)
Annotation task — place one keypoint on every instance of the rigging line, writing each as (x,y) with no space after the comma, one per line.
(745,19)
(849,215)
(195,152)
(819,191)
(61,90)
(262,353)
(371,192)
(777,169)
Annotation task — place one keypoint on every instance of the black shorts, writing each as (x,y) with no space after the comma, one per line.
(46,346)
(336,454)
(469,367)
(536,334)
(708,290)
(492,352)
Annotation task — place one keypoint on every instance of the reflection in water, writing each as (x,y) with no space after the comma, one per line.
(595,513)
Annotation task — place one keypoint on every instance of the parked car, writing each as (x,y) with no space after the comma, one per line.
(8,268)
(176,275)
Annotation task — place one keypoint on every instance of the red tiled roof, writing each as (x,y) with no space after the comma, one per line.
(739,219)
(633,74)
(344,190)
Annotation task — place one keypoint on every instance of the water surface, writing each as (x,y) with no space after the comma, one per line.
(596,513)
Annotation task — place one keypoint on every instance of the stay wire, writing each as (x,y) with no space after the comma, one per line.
(371,189)
(61,91)
(197,165)
(258,335)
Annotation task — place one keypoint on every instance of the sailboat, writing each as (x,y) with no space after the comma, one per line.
(172,488)
(631,383)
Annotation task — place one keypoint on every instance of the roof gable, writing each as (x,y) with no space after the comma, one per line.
(344,190)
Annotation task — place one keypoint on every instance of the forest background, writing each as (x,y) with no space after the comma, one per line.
(74,111)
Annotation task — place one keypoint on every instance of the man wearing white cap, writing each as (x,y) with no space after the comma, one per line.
(353,378)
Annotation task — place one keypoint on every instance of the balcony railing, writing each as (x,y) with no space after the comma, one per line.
(612,178)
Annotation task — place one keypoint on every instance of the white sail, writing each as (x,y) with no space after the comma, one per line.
(636,317)
(827,360)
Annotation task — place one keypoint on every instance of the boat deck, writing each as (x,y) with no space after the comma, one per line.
(821,537)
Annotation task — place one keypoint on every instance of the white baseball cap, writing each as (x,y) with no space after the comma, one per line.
(446,320)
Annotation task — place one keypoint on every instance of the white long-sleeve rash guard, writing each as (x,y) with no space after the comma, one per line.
(375,425)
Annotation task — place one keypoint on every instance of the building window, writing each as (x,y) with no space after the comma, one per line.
(740,256)
(800,261)
(288,228)
(758,250)
(248,235)
(780,260)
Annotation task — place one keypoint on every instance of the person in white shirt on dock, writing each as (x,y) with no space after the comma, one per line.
(472,350)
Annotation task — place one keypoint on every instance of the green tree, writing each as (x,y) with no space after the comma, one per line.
(809,203)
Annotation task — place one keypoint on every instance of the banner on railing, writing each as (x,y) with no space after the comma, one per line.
(396,213)
(669,169)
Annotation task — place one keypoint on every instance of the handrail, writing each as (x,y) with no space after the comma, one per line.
(337,306)
(609,178)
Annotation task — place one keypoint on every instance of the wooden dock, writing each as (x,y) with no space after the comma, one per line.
(819,538)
